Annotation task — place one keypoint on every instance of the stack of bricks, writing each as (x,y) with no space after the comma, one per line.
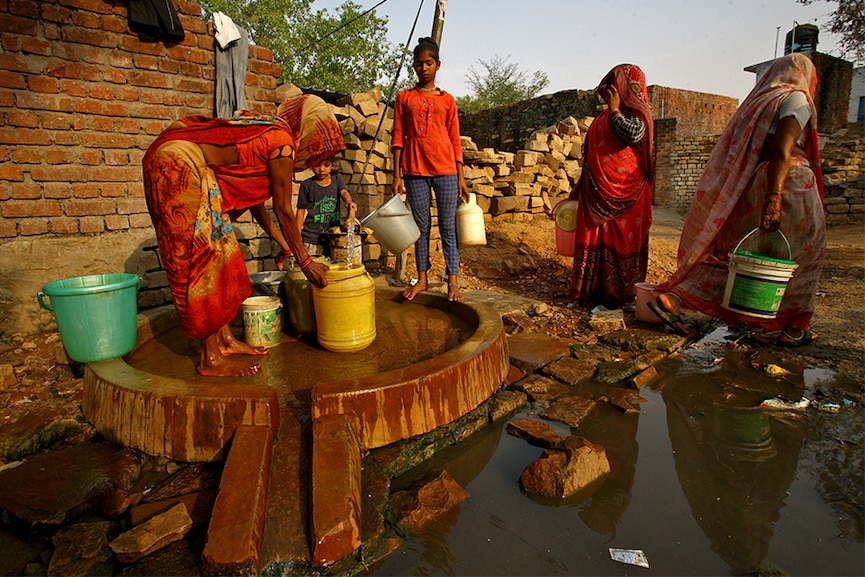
(518,186)
(367,163)
(527,184)
(843,160)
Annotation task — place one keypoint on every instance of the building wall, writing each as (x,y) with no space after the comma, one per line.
(506,128)
(696,113)
(81,99)
(834,77)
(857,96)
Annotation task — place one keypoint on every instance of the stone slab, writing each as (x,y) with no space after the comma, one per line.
(531,351)
(336,489)
(153,534)
(234,536)
(286,526)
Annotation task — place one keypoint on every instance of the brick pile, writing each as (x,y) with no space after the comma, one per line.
(527,184)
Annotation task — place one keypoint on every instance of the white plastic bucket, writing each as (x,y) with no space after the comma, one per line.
(261,321)
(645,295)
(565,216)
(470,224)
(393,225)
(756,283)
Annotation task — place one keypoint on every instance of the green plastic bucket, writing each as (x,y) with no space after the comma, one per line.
(96,315)
(261,321)
(756,283)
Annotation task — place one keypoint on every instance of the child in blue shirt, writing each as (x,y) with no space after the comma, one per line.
(318,205)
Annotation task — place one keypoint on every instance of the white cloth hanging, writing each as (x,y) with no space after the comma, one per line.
(226,31)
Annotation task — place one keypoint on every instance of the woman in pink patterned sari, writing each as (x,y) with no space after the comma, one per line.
(764,172)
(611,249)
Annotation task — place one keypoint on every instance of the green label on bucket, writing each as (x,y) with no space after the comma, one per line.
(756,295)
(262,323)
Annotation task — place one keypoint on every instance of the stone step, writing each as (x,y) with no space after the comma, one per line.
(234,537)
(286,524)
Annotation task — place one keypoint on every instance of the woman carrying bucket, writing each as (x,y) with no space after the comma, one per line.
(428,155)
(764,173)
(199,175)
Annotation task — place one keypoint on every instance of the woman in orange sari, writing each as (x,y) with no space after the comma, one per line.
(764,172)
(611,251)
(202,173)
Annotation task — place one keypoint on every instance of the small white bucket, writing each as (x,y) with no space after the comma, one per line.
(645,295)
(756,283)
(261,321)
(393,225)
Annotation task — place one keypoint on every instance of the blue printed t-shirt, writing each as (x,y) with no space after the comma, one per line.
(322,206)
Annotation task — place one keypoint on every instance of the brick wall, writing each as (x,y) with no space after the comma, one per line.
(696,113)
(679,165)
(81,99)
(505,128)
(843,161)
(833,91)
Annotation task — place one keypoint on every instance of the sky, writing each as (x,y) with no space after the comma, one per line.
(699,45)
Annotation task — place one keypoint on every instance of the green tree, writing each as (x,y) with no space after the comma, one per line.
(345,51)
(501,83)
(848,21)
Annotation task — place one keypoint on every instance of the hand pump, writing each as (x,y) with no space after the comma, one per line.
(439,21)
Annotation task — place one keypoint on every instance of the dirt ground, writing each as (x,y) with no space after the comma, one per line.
(521,258)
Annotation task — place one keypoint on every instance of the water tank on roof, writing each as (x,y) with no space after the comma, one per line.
(801,38)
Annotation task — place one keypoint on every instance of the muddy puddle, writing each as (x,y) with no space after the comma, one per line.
(703,482)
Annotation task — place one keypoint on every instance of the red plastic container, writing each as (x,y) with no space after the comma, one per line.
(565,216)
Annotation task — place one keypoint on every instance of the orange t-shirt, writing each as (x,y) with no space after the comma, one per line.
(427,128)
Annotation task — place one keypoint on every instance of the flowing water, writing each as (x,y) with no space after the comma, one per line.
(703,482)
(349,239)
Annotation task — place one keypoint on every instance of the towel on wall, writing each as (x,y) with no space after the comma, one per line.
(226,30)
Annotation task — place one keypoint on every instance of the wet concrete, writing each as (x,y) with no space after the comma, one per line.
(405,335)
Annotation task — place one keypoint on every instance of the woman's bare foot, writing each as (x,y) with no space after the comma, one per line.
(410,292)
(216,349)
(454,293)
(229,345)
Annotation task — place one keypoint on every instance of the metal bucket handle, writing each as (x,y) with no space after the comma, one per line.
(789,250)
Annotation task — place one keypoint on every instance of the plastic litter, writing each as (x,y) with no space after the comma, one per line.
(829,407)
(779,404)
(630,556)
(775,370)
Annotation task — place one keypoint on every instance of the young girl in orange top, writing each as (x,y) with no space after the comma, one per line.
(428,155)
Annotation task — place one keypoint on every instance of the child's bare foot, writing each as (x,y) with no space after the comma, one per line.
(454,293)
(410,292)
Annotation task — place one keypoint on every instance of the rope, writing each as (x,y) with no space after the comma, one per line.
(390,93)
(341,26)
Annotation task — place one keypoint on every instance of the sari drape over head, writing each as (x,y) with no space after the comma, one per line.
(615,200)
(730,196)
